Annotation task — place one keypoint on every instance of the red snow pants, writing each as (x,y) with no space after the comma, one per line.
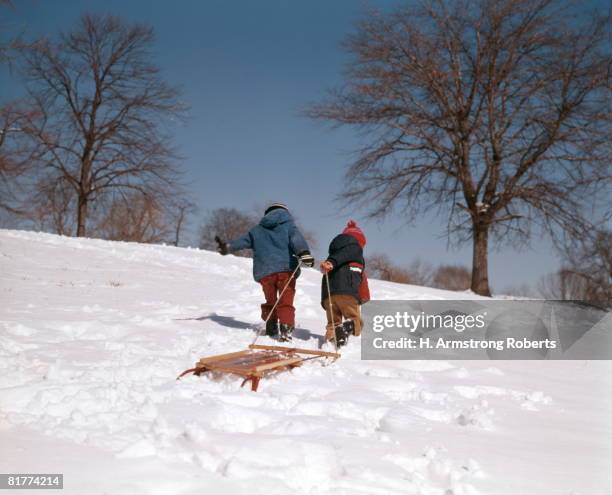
(272,286)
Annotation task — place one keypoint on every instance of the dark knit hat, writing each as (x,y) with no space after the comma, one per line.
(275,206)
(352,230)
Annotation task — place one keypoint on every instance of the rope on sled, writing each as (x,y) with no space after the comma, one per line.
(331,309)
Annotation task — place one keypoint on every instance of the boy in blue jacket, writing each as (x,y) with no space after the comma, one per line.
(277,244)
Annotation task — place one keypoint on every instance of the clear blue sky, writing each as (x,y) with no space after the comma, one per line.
(246,69)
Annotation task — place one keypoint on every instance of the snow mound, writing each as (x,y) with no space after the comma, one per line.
(93,334)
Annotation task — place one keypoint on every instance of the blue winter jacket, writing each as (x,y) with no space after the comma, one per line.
(274,242)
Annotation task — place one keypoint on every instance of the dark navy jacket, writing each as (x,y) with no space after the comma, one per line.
(274,242)
(344,278)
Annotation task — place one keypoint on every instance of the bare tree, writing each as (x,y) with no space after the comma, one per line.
(51,207)
(452,277)
(493,113)
(562,285)
(12,164)
(135,217)
(227,223)
(180,212)
(379,266)
(591,259)
(421,272)
(587,271)
(102,114)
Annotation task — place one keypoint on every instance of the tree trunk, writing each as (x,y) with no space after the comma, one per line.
(480,260)
(81,215)
(179,225)
(84,191)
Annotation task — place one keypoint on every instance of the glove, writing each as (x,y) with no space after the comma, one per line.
(307,259)
(221,246)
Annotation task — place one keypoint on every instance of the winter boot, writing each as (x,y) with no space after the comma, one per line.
(349,327)
(343,331)
(272,328)
(286,332)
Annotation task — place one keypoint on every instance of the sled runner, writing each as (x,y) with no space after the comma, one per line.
(257,362)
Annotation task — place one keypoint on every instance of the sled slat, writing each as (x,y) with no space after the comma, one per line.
(246,362)
(232,368)
(245,370)
(277,364)
(221,357)
(235,371)
(255,365)
(294,350)
(236,361)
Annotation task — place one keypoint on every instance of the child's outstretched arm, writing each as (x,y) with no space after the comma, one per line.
(243,242)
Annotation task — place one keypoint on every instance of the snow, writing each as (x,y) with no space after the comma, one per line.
(93,334)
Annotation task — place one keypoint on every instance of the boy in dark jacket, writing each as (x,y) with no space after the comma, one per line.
(277,244)
(348,284)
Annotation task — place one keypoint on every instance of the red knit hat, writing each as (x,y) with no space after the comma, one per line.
(352,230)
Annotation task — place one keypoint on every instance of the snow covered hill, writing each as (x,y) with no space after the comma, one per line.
(93,334)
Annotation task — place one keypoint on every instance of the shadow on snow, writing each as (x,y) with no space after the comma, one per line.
(231,322)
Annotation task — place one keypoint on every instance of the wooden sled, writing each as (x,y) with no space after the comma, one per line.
(257,361)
